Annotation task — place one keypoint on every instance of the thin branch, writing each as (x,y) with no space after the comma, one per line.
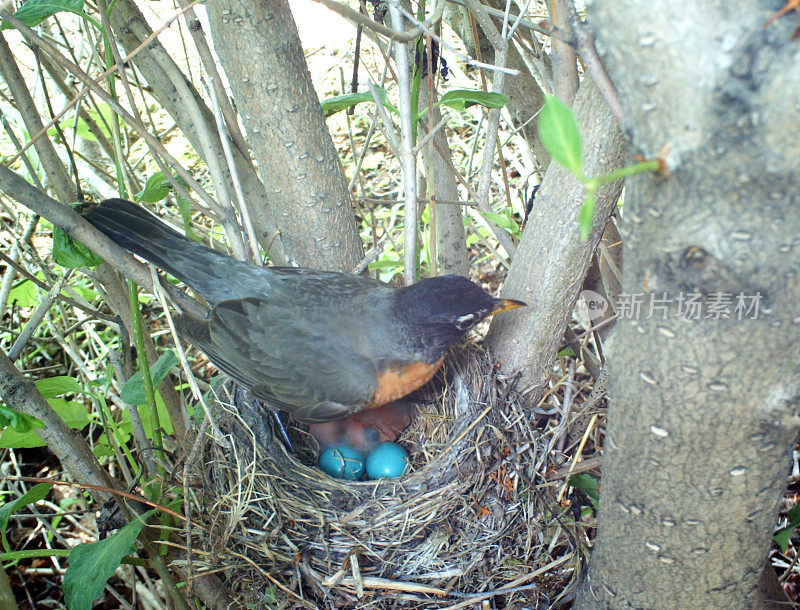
(584,42)
(500,44)
(36,318)
(225,140)
(73,452)
(407,157)
(545,29)
(209,63)
(365,21)
(465,58)
(145,43)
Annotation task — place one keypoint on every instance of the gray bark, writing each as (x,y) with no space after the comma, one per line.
(563,59)
(258,45)
(551,258)
(704,411)
(448,219)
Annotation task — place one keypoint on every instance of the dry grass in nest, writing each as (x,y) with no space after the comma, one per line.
(468,523)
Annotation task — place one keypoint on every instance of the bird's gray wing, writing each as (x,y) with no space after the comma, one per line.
(287,358)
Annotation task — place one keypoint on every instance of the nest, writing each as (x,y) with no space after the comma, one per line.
(464,525)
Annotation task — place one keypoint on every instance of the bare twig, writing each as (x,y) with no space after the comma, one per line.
(408,159)
(135,123)
(365,21)
(187,370)
(244,212)
(36,318)
(584,42)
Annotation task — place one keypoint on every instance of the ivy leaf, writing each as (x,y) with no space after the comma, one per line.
(784,535)
(504,221)
(51,387)
(72,254)
(24,293)
(588,485)
(560,135)
(73,413)
(332,105)
(33,495)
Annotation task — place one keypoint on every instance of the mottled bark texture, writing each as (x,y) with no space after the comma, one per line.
(552,259)
(704,411)
(258,46)
(447,219)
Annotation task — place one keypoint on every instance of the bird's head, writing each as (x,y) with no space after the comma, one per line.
(449,304)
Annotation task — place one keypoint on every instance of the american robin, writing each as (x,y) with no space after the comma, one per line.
(320,345)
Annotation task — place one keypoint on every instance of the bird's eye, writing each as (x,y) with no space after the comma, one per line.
(466,321)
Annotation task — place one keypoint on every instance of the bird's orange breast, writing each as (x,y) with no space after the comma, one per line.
(399,380)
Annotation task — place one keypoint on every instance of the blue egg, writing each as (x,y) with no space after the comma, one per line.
(387,460)
(342,462)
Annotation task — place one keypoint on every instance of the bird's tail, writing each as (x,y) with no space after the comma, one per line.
(142,233)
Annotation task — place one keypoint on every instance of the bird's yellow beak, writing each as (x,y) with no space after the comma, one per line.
(506,304)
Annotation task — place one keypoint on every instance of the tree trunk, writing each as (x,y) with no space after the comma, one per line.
(704,410)
(552,259)
(258,44)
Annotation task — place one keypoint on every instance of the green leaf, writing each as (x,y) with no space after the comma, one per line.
(156,189)
(588,484)
(784,535)
(332,105)
(70,253)
(386,264)
(73,413)
(567,351)
(56,386)
(185,207)
(19,422)
(102,120)
(92,564)
(33,12)
(793,516)
(163,417)
(560,135)
(33,495)
(24,294)
(504,221)
(460,99)
(586,216)
(133,390)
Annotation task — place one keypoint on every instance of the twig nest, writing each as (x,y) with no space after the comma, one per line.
(463,510)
